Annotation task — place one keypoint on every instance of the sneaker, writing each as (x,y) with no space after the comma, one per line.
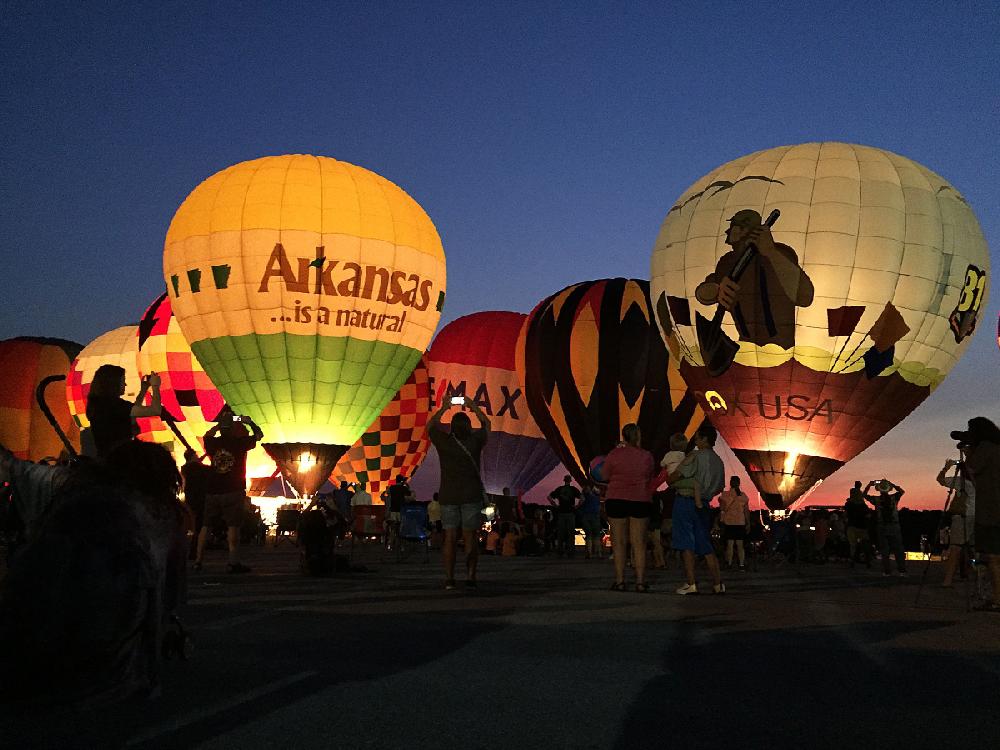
(449,585)
(470,584)
(886,575)
(719,588)
(902,574)
(743,568)
(196,567)
(687,588)
(238,568)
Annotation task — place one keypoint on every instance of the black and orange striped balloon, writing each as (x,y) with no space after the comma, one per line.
(592,360)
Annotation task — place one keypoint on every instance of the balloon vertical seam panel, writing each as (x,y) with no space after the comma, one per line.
(373,362)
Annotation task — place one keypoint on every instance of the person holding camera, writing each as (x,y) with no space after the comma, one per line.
(462,494)
(886,505)
(961,511)
(981,443)
(227,445)
(112,418)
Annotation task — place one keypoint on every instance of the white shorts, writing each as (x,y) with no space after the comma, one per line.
(956,534)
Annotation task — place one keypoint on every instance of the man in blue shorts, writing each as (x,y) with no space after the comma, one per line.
(461,494)
(692,521)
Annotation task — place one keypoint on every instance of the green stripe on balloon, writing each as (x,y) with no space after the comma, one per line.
(325,389)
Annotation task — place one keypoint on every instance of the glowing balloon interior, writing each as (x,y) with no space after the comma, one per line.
(308,289)
(807,349)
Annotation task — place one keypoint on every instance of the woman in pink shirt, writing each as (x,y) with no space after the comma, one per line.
(734,507)
(628,470)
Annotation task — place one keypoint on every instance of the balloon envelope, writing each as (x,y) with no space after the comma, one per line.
(186,393)
(474,356)
(118,347)
(593,361)
(396,442)
(24,362)
(308,289)
(857,313)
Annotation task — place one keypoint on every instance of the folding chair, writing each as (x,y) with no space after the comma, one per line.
(413,527)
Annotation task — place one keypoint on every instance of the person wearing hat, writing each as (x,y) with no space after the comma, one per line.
(981,444)
(886,505)
(773,284)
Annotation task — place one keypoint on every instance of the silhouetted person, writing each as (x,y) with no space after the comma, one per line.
(566,497)
(112,418)
(462,493)
(227,444)
(982,462)
(890,535)
(196,477)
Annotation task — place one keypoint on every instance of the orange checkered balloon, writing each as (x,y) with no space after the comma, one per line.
(396,443)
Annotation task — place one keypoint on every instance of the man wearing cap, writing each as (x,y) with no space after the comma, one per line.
(886,505)
(773,284)
(981,443)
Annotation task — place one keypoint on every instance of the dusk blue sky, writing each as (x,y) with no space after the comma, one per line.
(546,140)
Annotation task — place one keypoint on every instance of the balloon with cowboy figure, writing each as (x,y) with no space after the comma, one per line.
(308,288)
(817,293)
(592,360)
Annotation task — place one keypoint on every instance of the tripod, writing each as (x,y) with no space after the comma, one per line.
(956,480)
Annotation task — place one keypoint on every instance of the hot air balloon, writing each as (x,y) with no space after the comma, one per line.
(395,443)
(118,347)
(475,356)
(308,288)
(189,398)
(25,362)
(851,317)
(593,361)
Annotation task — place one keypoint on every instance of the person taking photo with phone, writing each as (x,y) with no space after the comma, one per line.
(227,445)
(462,494)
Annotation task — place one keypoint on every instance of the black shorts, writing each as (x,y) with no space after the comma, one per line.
(627,509)
(736,532)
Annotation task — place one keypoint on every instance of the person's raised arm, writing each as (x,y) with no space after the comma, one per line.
(255,432)
(484,422)
(865,496)
(435,421)
(150,383)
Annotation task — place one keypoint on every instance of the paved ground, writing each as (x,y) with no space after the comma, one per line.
(544,656)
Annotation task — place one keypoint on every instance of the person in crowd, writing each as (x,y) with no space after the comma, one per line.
(837,538)
(112,418)
(507,506)
(462,494)
(692,521)
(734,507)
(342,497)
(434,513)
(857,514)
(590,520)
(628,470)
(361,496)
(511,540)
(961,514)
(195,477)
(565,497)
(981,442)
(398,494)
(672,461)
(227,444)
(493,538)
(890,536)
(90,632)
(653,531)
